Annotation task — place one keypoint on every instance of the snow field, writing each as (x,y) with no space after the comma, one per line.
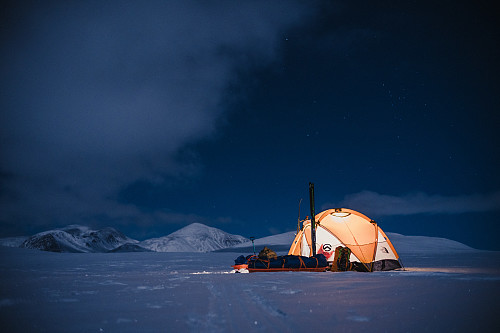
(194,292)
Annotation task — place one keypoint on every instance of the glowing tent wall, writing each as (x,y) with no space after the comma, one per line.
(371,248)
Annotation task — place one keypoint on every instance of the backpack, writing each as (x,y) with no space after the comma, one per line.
(267,254)
(343,263)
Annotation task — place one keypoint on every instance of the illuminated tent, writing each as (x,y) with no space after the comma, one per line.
(371,249)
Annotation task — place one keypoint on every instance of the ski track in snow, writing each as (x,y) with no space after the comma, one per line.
(192,292)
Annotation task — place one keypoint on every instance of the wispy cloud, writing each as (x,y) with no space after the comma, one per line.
(99,94)
(376,204)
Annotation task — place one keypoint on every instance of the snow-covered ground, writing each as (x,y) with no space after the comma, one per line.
(456,291)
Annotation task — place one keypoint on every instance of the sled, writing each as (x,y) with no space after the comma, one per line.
(319,269)
(302,269)
(242,266)
(288,263)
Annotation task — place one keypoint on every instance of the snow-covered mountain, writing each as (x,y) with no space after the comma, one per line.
(279,243)
(403,244)
(76,238)
(195,237)
(425,244)
(279,239)
(130,247)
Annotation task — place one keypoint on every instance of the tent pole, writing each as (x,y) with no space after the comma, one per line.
(376,244)
(313,222)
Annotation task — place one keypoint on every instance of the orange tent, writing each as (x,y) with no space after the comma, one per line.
(371,249)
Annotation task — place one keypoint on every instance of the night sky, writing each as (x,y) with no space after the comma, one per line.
(150,115)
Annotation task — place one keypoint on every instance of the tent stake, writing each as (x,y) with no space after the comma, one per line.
(313,222)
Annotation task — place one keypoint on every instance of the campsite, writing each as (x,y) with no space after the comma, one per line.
(346,240)
(338,239)
(339,272)
(446,286)
(155,157)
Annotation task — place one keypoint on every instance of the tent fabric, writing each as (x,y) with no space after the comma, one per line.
(370,247)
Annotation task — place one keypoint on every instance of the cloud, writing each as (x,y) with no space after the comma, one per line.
(96,95)
(418,203)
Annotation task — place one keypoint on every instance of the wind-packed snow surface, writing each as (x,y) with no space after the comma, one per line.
(454,290)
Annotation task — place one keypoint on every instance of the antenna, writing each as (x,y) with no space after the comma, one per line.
(313,222)
(298,219)
(252,239)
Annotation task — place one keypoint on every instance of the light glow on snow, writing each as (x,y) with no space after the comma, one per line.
(453,287)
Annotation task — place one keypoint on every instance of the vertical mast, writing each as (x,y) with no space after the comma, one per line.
(313,221)
(298,220)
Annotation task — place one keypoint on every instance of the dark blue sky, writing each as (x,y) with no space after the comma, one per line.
(150,116)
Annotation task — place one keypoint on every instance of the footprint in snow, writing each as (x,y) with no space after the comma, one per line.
(358,319)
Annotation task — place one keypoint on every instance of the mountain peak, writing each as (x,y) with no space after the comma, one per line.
(77,238)
(195,237)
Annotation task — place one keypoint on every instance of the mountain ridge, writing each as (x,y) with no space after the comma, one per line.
(77,238)
(195,237)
